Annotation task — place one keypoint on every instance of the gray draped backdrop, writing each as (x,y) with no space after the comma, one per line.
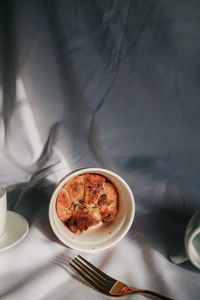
(113,84)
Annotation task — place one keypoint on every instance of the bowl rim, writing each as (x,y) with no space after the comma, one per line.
(78,172)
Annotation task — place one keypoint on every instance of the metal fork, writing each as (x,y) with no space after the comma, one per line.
(106,284)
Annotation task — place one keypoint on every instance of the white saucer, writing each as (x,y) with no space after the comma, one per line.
(16,229)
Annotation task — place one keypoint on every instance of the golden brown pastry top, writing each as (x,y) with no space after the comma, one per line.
(86,200)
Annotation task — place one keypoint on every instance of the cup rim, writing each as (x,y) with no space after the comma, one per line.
(191,231)
(190,249)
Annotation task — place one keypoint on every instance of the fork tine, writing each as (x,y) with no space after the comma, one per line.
(102,274)
(89,272)
(88,279)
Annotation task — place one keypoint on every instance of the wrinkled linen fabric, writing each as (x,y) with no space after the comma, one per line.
(113,84)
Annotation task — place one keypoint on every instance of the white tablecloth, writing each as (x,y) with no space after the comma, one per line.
(113,84)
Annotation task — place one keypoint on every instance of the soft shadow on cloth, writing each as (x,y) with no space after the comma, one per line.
(42,168)
(8,62)
(101,36)
(38,182)
(165,200)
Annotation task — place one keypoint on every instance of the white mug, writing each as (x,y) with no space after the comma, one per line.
(3,210)
(191,248)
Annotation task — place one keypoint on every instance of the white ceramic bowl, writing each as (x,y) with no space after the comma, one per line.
(101,236)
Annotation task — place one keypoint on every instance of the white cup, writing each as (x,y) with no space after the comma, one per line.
(191,248)
(3,210)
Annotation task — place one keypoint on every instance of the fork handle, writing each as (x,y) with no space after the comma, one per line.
(120,289)
(149,294)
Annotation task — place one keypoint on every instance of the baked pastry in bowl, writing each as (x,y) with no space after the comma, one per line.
(91,209)
(85,201)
